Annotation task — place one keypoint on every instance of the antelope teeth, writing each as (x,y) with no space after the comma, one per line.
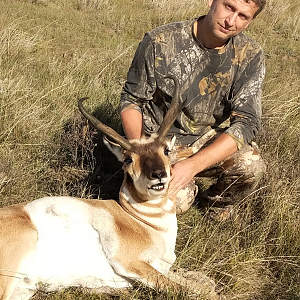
(157,187)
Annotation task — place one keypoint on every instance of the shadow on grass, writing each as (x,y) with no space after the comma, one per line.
(86,165)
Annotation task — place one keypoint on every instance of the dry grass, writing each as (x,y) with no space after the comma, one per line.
(53,51)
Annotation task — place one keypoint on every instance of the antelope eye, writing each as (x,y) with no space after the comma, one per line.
(167,151)
(128,160)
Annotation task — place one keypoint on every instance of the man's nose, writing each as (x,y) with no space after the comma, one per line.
(231,18)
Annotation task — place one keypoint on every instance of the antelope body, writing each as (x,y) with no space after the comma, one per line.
(65,241)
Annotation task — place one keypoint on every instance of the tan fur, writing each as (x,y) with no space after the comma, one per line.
(133,237)
(155,278)
(130,210)
(18,239)
(131,234)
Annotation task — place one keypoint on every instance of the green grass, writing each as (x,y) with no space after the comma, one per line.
(53,52)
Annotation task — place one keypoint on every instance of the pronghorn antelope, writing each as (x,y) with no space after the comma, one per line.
(101,245)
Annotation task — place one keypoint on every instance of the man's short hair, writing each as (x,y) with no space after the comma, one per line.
(259,3)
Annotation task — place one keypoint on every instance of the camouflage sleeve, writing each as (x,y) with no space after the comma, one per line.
(246,110)
(140,84)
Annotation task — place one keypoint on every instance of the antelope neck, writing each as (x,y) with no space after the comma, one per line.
(146,212)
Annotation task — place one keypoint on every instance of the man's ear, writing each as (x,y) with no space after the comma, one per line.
(115,148)
(210,2)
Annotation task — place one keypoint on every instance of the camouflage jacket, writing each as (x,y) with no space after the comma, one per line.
(214,84)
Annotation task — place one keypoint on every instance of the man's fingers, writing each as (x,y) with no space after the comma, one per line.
(175,188)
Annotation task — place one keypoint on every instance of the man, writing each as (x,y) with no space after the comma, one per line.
(220,71)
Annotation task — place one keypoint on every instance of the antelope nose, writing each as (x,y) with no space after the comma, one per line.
(158,174)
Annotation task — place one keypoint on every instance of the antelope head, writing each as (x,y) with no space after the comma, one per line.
(146,161)
(146,166)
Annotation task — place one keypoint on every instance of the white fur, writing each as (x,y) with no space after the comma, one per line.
(69,250)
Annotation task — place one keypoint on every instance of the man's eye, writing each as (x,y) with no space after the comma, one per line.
(243,17)
(229,7)
(128,160)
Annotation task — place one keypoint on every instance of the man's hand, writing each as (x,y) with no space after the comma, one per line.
(182,173)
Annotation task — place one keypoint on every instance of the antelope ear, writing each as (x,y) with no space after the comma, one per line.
(173,152)
(171,143)
(115,148)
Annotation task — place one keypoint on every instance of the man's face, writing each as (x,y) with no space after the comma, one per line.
(227,18)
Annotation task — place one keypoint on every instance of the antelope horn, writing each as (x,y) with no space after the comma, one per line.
(174,109)
(105,129)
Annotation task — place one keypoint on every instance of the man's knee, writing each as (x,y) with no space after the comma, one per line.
(186,197)
(245,165)
(241,175)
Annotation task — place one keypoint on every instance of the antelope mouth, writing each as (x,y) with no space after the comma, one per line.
(157,187)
